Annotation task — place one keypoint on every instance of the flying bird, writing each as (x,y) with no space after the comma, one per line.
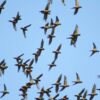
(52,65)
(4,92)
(57,51)
(74,36)
(77,7)
(24,29)
(53,98)
(57,83)
(77,81)
(80,94)
(2,6)
(64,98)
(94,50)
(65,84)
(37,80)
(57,22)
(51,36)
(84,96)
(46,11)
(15,20)
(45,27)
(18,58)
(93,93)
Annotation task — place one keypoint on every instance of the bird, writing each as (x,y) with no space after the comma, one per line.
(53,98)
(18,58)
(94,50)
(77,81)
(52,65)
(77,7)
(3,67)
(80,94)
(37,80)
(48,91)
(24,29)
(41,47)
(45,27)
(46,11)
(15,20)
(74,36)
(29,68)
(41,92)
(84,96)
(93,93)
(51,36)
(65,84)
(2,6)
(64,98)
(57,22)
(57,83)
(57,51)
(4,92)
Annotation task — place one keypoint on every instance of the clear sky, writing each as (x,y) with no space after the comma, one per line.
(71,60)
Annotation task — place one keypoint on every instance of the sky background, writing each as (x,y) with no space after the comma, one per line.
(71,60)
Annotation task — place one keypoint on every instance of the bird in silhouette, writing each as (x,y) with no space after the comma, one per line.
(41,92)
(54,98)
(64,98)
(57,83)
(15,20)
(94,50)
(3,67)
(57,51)
(77,7)
(4,92)
(46,11)
(57,22)
(48,91)
(29,68)
(41,47)
(52,65)
(18,58)
(77,81)
(2,6)
(84,96)
(65,84)
(93,93)
(80,94)
(24,29)
(74,36)
(37,80)
(51,36)
(46,27)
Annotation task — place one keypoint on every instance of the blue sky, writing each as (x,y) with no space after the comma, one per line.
(70,61)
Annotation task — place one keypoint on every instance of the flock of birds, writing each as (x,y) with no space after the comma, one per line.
(27,65)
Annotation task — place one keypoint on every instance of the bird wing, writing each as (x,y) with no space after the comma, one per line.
(81,92)
(59,47)
(59,78)
(32,61)
(5,87)
(47,6)
(42,43)
(27,26)
(3,3)
(94,46)
(76,3)
(39,76)
(77,76)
